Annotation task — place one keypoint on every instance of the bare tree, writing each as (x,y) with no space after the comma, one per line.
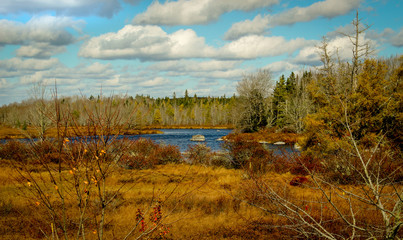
(253,91)
(39,114)
(361,48)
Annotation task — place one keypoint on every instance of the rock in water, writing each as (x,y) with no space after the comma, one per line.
(198,138)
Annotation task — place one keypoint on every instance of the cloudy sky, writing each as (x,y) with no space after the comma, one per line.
(157,48)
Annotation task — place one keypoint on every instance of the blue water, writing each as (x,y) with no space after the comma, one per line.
(181,137)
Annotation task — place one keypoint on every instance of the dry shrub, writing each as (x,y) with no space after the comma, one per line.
(220,159)
(246,153)
(14,150)
(47,151)
(296,163)
(145,153)
(298,181)
(200,154)
(168,154)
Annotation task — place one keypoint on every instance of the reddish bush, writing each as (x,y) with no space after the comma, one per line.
(14,150)
(168,154)
(298,181)
(247,153)
(145,153)
(47,151)
(304,164)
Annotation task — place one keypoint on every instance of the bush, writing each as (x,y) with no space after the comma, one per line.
(200,154)
(220,160)
(247,153)
(298,181)
(145,153)
(14,150)
(47,151)
(297,164)
(168,154)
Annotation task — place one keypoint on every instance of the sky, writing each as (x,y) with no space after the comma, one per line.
(157,48)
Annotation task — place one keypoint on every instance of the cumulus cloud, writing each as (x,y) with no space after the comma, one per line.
(39,50)
(75,77)
(194,66)
(327,9)
(158,81)
(133,2)
(338,48)
(257,26)
(40,37)
(250,47)
(103,8)
(190,12)
(18,64)
(397,40)
(146,43)
(3,83)
(151,43)
(281,66)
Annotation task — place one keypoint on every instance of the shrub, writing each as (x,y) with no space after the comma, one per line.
(298,181)
(47,151)
(219,159)
(14,150)
(168,154)
(200,154)
(145,153)
(247,153)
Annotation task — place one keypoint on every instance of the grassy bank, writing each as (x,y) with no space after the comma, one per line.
(201,206)
(197,202)
(32,132)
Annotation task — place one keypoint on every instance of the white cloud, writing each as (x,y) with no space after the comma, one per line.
(3,83)
(190,12)
(250,47)
(194,66)
(338,48)
(39,50)
(18,64)
(146,43)
(255,27)
(397,40)
(327,9)
(104,8)
(41,36)
(281,66)
(150,43)
(158,81)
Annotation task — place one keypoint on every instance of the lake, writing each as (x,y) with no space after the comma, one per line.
(181,137)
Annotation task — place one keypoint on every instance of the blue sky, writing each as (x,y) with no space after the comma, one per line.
(157,48)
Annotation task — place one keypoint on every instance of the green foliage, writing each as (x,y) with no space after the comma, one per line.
(372,111)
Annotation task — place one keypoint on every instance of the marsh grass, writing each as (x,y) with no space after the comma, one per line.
(208,203)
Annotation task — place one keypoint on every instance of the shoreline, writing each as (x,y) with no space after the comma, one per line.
(32,132)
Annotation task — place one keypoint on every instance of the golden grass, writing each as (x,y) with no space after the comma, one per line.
(32,132)
(198,202)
